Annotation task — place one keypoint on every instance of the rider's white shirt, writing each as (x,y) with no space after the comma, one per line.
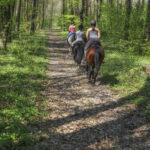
(79,36)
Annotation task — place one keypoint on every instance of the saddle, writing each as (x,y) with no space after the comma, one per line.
(95,44)
(79,43)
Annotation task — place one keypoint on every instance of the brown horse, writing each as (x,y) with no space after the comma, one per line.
(95,57)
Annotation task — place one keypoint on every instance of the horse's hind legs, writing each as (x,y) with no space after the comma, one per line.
(93,73)
(87,68)
(96,74)
(90,73)
(95,77)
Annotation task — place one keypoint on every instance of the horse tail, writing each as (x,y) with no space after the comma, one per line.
(97,59)
(80,53)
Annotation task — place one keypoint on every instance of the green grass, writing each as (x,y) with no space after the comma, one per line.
(22,74)
(122,71)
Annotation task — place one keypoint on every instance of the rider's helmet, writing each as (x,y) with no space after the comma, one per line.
(93,23)
(80,27)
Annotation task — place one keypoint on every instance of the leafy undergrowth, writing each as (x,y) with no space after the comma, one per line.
(123,72)
(63,33)
(22,74)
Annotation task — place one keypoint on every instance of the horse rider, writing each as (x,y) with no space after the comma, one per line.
(72,29)
(79,36)
(93,35)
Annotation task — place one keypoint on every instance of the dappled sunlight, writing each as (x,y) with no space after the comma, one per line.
(141,97)
(90,117)
(21,86)
(55,95)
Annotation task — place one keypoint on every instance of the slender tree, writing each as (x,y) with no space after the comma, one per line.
(51,14)
(127,18)
(148,21)
(97,11)
(33,16)
(86,8)
(82,12)
(18,14)
(7,26)
(63,13)
(43,14)
(27,10)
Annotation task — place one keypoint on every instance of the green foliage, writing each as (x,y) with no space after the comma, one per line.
(6,2)
(22,74)
(123,72)
(65,21)
(112,27)
(112,20)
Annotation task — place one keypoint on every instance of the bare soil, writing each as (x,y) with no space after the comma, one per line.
(83,116)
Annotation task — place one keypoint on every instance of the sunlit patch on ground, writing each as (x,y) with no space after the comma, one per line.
(83,116)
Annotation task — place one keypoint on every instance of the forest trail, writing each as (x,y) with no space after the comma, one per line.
(83,116)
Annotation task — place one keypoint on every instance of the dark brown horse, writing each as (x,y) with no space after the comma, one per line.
(78,52)
(95,57)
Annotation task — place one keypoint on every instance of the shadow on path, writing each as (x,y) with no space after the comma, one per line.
(86,117)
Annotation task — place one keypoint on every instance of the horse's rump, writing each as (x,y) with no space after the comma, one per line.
(91,54)
(95,57)
(71,39)
(78,51)
(79,43)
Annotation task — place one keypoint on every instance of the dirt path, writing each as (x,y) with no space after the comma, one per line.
(86,117)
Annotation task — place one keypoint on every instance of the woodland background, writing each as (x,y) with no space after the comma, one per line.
(125,30)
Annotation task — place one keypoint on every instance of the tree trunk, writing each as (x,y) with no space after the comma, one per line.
(51,16)
(127,19)
(86,7)
(63,13)
(43,12)
(72,10)
(27,9)
(33,16)
(82,12)
(7,31)
(100,11)
(148,21)
(18,16)
(97,11)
